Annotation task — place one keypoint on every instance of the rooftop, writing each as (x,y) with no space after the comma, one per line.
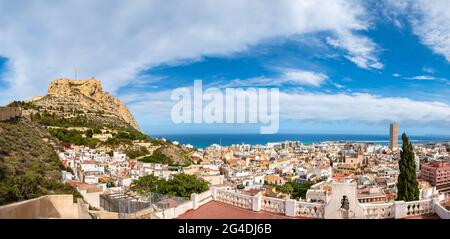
(219,210)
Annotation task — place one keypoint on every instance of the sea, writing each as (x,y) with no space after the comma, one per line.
(205,140)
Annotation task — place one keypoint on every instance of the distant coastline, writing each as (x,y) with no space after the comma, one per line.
(204,140)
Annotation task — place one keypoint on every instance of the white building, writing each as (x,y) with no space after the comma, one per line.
(118,156)
(90,166)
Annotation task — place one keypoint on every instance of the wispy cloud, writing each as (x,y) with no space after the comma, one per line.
(153,108)
(302,77)
(429,19)
(421,77)
(115,40)
(359,49)
(364,107)
(339,86)
(428,70)
(428,78)
(287,76)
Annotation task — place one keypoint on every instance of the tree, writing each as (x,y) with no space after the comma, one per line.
(407,185)
(181,185)
(145,184)
(294,189)
(89,133)
(286,188)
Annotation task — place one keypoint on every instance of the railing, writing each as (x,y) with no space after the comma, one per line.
(235,199)
(182,208)
(274,205)
(441,211)
(378,211)
(293,208)
(311,210)
(201,199)
(205,196)
(416,208)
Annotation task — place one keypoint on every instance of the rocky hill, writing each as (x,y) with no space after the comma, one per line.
(79,112)
(70,98)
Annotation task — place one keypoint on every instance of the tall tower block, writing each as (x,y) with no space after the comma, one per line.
(393,137)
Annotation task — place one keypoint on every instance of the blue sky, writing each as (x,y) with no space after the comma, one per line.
(363,66)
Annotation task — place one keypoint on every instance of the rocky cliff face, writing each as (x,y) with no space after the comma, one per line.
(87,96)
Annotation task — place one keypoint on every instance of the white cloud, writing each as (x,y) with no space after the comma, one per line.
(432,25)
(361,107)
(359,49)
(428,70)
(114,40)
(396,75)
(427,78)
(339,86)
(288,76)
(317,107)
(150,108)
(421,77)
(429,19)
(301,77)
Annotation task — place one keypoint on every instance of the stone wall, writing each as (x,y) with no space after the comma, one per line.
(7,113)
(50,206)
(196,201)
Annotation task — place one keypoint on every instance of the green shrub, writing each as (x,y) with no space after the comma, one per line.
(156,157)
(135,153)
(73,137)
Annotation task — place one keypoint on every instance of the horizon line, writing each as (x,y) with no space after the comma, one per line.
(351,134)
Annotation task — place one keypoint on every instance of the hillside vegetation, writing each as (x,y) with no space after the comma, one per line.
(77,113)
(169,154)
(67,131)
(121,140)
(29,165)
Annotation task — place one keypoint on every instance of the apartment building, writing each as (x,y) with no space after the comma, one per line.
(437,173)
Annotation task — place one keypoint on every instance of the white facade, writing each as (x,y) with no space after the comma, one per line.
(91,167)
(119,156)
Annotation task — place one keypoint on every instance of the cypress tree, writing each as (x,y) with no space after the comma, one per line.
(407,185)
